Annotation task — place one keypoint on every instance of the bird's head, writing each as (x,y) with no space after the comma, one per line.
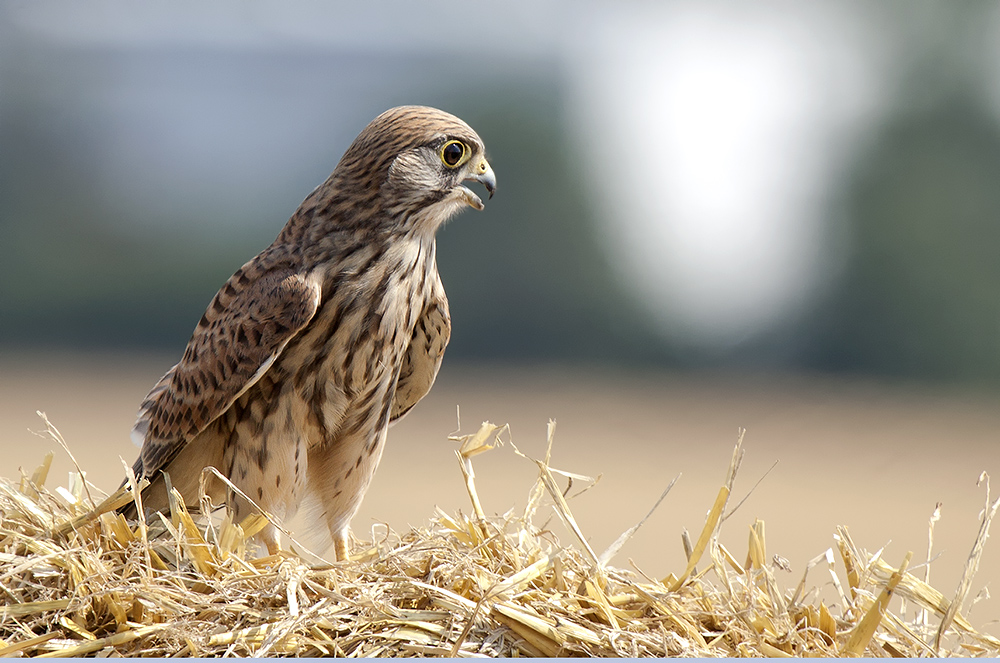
(413,161)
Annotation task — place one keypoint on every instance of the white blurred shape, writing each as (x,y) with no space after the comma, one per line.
(712,137)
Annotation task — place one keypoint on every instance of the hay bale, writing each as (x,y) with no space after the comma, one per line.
(77,579)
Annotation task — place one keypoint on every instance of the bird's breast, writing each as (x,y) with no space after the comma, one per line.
(345,363)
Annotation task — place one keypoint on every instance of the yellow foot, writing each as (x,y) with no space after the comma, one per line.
(340,546)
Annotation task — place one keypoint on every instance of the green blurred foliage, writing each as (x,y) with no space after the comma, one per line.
(920,293)
(528,279)
(70,276)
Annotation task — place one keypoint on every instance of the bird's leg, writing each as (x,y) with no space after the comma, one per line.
(272,539)
(269,469)
(340,545)
(339,473)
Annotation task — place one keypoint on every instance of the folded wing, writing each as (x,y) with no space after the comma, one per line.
(247,325)
(423,357)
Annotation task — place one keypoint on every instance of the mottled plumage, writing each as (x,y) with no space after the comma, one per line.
(312,349)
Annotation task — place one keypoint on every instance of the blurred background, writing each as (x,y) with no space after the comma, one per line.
(776,215)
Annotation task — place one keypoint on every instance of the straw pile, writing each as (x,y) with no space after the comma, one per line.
(77,579)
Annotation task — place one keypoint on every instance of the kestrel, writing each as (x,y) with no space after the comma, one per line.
(312,349)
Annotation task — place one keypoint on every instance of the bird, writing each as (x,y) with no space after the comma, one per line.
(314,348)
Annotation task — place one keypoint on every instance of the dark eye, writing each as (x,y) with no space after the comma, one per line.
(453,153)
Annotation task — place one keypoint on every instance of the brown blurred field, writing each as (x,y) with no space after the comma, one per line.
(870,457)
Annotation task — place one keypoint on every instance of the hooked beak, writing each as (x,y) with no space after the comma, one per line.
(483,174)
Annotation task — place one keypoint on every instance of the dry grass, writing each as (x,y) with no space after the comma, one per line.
(77,579)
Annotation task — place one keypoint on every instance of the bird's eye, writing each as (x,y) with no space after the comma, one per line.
(454,153)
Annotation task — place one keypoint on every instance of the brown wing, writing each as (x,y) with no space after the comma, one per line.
(245,328)
(423,357)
